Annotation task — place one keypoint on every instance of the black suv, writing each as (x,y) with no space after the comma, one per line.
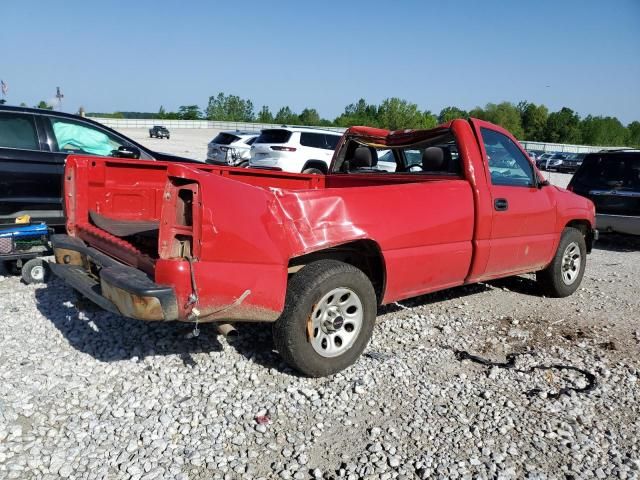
(611,180)
(34,144)
(159,132)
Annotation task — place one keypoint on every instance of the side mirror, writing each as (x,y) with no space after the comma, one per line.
(543,183)
(126,151)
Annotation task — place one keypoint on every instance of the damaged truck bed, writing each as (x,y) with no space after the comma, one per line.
(316,254)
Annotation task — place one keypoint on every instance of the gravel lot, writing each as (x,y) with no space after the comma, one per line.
(86,394)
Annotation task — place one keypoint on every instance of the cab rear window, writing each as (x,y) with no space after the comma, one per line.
(274,136)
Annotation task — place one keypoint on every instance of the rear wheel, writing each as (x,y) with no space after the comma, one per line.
(328,318)
(563,275)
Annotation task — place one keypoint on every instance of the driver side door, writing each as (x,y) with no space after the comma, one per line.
(524,215)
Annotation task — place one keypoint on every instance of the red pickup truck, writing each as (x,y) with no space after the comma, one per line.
(400,214)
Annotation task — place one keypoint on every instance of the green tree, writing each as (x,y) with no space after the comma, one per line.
(309,116)
(395,113)
(451,113)
(505,114)
(359,113)
(429,120)
(189,112)
(265,115)
(603,131)
(563,126)
(634,134)
(286,116)
(534,119)
(44,105)
(162,112)
(229,108)
(22,104)
(2,101)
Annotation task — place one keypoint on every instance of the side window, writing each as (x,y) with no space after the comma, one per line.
(313,140)
(507,164)
(18,131)
(250,141)
(331,141)
(76,137)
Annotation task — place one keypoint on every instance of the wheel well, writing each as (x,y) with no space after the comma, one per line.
(319,164)
(585,227)
(362,254)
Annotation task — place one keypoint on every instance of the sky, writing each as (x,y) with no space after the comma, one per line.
(137,55)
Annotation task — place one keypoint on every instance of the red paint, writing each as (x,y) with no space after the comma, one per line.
(433,232)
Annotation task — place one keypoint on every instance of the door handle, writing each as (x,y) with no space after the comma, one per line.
(501,204)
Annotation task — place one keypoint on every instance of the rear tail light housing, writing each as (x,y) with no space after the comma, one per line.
(283,149)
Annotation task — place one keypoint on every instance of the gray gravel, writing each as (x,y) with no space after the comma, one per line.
(86,394)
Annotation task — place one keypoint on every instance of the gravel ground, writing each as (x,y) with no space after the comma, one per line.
(86,394)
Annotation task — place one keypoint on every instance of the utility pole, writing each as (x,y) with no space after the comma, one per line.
(59,96)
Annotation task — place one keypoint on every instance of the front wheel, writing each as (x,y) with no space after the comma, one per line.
(328,319)
(563,275)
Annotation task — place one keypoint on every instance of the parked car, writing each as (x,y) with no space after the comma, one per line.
(572,162)
(33,146)
(541,160)
(534,154)
(317,254)
(556,162)
(159,132)
(231,148)
(611,180)
(294,149)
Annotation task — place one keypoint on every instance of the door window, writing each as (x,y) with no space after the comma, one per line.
(507,164)
(18,131)
(76,137)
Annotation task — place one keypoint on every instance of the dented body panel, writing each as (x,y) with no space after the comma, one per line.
(224,239)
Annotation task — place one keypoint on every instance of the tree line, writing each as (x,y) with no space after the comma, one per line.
(526,120)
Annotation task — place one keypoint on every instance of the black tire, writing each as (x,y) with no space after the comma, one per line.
(314,171)
(552,280)
(305,290)
(35,270)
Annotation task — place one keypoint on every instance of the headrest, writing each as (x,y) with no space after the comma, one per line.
(363,157)
(433,159)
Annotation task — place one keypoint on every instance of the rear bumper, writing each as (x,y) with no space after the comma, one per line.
(111,285)
(618,223)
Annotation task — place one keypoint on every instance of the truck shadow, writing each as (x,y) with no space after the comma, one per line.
(614,242)
(518,284)
(109,338)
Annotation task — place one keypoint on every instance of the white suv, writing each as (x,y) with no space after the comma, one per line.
(231,148)
(294,149)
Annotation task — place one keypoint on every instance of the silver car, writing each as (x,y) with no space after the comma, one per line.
(232,147)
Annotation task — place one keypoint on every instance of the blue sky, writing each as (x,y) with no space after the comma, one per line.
(137,55)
